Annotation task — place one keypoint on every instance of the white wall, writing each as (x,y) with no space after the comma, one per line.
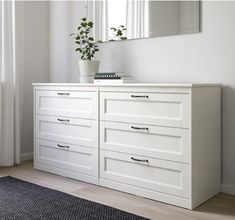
(206,57)
(33,41)
(64,20)
(59,41)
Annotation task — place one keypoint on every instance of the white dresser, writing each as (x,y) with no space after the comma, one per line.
(160,141)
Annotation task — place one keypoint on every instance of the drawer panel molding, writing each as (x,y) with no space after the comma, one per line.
(152,141)
(72,158)
(81,132)
(146,108)
(148,173)
(67,103)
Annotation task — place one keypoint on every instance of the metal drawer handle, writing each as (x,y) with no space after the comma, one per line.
(138,128)
(65,120)
(62,93)
(140,96)
(139,160)
(63,146)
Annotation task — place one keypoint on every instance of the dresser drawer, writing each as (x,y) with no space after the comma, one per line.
(78,104)
(146,140)
(65,156)
(157,175)
(146,108)
(80,132)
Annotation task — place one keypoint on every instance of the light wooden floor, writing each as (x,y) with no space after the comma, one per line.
(221,207)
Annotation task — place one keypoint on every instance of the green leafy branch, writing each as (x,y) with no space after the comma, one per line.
(119,32)
(87,47)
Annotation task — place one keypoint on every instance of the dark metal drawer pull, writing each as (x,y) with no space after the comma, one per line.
(140,96)
(59,119)
(63,146)
(138,128)
(139,160)
(62,93)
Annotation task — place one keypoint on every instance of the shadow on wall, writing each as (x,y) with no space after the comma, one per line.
(116,58)
(228,126)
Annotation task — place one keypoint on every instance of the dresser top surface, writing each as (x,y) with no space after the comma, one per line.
(184,85)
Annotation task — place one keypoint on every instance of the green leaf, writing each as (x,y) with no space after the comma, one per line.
(83,19)
(119,33)
(90,24)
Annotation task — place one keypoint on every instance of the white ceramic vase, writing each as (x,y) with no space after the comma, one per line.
(88,69)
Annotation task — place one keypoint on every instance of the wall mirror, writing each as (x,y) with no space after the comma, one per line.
(134,19)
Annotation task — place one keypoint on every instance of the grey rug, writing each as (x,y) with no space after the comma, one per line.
(24,200)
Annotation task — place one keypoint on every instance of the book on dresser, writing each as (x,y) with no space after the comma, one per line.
(158,141)
(112,78)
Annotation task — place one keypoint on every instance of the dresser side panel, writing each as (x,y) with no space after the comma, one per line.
(206,144)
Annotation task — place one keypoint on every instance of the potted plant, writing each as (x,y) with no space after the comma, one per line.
(87,47)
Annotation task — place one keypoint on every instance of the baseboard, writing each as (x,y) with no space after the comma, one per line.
(24,157)
(229,189)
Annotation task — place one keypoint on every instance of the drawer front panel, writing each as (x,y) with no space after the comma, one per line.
(151,141)
(67,103)
(69,157)
(146,108)
(157,175)
(67,130)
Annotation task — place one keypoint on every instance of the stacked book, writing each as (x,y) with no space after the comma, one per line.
(112,78)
